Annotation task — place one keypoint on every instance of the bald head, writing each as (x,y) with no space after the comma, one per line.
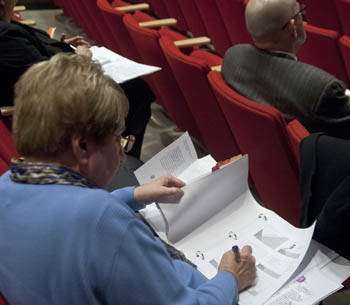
(265,18)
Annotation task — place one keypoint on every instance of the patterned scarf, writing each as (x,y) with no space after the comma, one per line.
(44,173)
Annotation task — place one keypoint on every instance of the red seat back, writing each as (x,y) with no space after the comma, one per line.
(343,9)
(191,75)
(2,300)
(344,43)
(214,24)
(174,11)
(260,132)
(146,40)
(323,14)
(114,19)
(232,13)
(321,49)
(7,148)
(193,18)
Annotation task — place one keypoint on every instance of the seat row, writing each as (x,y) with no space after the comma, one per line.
(198,100)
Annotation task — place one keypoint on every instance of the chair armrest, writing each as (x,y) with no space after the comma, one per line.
(297,133)
(29,22)
(196,41)
(19,8)
(7,110)
(159,22)
(133,8)
(216,68)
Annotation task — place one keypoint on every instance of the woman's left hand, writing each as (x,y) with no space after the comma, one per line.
(75,41)
(165,189)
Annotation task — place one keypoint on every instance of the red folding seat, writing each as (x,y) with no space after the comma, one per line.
(214,24)
(7,148)
(2,300)
(159,8)
(114,19)
(193,18)
(323,14)
(232,13)
(146,41)
(174,11)
(191,72)
(297,133)
(321,49)
(343,9)
(261,132)
(344,43)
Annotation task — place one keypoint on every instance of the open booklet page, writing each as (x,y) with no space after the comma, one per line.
(319,275)
(217,212)
(120,68)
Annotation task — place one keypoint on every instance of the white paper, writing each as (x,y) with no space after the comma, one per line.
(119,68)
(217,212)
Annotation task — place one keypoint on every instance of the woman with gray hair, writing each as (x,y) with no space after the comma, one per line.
(63,238)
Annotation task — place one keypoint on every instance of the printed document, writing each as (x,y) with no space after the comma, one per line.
(218,211)
(119,68)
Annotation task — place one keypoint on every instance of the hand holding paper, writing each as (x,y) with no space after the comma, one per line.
(165,189)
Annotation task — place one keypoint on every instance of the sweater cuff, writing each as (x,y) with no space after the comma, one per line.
(126,194)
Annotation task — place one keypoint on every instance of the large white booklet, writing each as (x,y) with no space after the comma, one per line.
(217,212)
(119,68)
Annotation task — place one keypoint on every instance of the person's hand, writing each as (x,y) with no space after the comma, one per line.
(165,189)
(243,269)
(75,41)
(83,50)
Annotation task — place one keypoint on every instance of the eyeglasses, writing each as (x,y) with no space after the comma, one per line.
(302,9)
(127,143)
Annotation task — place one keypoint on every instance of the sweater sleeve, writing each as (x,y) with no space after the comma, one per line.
(143,273)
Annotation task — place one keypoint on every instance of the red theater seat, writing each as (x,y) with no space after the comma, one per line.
(343,8)
(321,49)
(214,24)
(146,41)
(191,75)
(323,14)
(193,18)
(261,132)
(344,43)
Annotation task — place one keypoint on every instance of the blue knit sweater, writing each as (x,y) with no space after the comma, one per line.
(62,244)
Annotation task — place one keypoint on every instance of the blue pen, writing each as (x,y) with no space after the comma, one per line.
(235,250)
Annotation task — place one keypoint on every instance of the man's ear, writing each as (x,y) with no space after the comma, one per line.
(80,148)
(294,28)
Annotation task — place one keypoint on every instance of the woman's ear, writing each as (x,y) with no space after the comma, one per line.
(80,148)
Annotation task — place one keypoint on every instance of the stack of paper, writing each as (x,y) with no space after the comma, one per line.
(218,211)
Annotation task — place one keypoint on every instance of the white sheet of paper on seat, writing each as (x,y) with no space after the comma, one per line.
(119,68)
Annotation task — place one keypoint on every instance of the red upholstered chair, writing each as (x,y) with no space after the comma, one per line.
(261,132)
(146,41)
(159,8)
(193,18)
(2,299)
(114,19)
(296,133)
(174,11)
(214,24)
(321,49)
(343,9)
(191,75)
(344,44)
(7,148)
(232,13)
(323,14)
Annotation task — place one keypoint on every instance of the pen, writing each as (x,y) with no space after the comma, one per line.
(235,250)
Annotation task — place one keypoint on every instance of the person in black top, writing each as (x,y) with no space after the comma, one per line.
(22,46)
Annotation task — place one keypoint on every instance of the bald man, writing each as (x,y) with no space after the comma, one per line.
(270,73)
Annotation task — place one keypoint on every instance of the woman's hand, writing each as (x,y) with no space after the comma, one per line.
(75,41)
(165,189)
